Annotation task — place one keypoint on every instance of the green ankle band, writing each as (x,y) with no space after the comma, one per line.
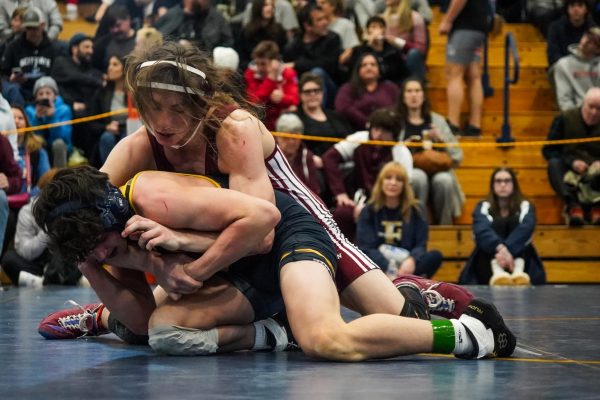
(443,336)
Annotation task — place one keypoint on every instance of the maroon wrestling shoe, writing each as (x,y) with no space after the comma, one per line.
(443,299)
(73,323)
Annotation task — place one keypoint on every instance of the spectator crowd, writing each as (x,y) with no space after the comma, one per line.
(351,70)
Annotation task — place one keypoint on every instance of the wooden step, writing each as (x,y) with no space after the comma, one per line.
(526,125)
(532,180)
(563,271)
(525,35)
(520,100)
(529,78)
(551,242)
(549,209)
(492,157)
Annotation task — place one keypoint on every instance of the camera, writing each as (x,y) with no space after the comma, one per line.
(42,102)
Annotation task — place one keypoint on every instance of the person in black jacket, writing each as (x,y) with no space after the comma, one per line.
(78,81)
(391,229)
(109,98)
(316,49)
(568,29)
(503,226)
(262,26)
(393,67)
(31,55)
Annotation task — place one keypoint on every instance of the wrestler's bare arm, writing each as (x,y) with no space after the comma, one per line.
(130,155)
(181,202)
(244,143)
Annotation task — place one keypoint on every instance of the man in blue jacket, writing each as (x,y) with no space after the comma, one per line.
(50,108)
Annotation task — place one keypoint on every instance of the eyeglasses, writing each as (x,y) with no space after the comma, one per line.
(500,180)
(312,91)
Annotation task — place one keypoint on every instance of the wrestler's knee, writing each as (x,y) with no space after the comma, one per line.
(328,343)
(179,341)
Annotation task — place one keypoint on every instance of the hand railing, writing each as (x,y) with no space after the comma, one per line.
(510,48)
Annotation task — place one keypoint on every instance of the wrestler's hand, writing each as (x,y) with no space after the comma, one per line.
(150,234)
(170,275)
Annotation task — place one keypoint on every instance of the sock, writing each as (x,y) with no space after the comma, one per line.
(264,339)
(462,340)
(99,323)
(116,327)
(450,336)
(30,280)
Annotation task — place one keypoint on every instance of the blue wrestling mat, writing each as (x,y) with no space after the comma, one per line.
(558,356)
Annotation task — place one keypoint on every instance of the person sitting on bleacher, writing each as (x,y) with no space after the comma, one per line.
(48,9)
(197,22)
(301,159)
(568,29)
(434,177)
(503,226)
(392,230)
(578,122)
(574,169)
(31,55)
(50,108)
(358,164)
(579,71)
(119,42)
(30,263)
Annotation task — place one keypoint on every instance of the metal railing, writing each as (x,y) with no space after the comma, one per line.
(510,48)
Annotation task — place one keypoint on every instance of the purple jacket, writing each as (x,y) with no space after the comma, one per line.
(9,167)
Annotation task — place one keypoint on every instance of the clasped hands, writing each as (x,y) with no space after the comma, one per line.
(171,270)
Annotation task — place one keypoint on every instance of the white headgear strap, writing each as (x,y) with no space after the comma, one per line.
(168,86)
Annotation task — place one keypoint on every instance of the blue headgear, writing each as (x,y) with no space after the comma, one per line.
(113,207)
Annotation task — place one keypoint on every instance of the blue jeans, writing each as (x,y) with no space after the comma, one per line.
(3,217)
(415,61)
(108,140)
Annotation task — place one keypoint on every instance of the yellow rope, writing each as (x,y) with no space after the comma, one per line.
(335,140)
(71,122)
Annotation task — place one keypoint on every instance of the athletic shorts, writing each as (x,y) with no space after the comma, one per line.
(298,237)
(464,47)
(351,262)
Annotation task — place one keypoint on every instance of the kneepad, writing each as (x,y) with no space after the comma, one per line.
(116,327)
(179,341)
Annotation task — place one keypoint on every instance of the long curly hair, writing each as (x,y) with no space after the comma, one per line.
(73,234)
(206,95)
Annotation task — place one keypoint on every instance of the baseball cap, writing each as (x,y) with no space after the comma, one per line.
(78,38)
(32,18)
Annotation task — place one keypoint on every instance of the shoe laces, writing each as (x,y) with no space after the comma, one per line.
(78,321)
(436,301)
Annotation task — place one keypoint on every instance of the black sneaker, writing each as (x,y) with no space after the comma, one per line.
(471,131)
(504,340)
(455,129)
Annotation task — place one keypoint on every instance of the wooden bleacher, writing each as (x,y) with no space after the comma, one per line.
(570,255)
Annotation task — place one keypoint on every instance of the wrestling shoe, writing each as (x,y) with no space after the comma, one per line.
(282,320)
(73,323)
(443,299)
(488,332)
